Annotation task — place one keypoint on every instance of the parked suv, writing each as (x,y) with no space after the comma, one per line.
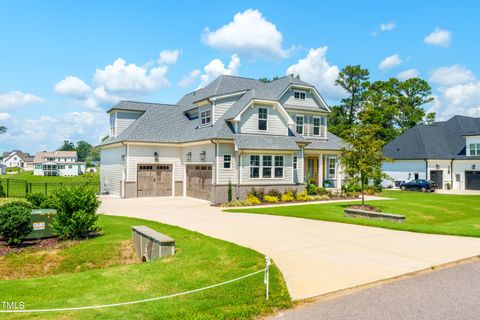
(419,185)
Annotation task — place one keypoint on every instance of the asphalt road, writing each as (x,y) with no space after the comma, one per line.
(450,293)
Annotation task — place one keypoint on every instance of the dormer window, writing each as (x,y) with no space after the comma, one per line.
(262,119)
(474,149)
(299,95)
(205,117)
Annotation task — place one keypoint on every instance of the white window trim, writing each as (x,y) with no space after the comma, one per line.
(319,126)
(300,92)
(231,162)
(258,120)
(303,123)
(260,167)
(476,149)
(201,117)
(335,170)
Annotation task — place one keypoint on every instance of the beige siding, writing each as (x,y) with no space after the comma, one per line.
(225,175)
(222,105)
(288,100)
(125,119)
(276,123)
(298,174)
(111,169)
(145,154)
(287,171)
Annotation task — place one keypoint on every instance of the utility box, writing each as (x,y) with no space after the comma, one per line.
(41,220)
(150,244)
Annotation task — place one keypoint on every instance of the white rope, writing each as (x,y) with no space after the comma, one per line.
(136,301)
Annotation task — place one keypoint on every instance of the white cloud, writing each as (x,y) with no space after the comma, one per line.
(452,75)
(129,79)
(390,62)
(439,37)
(315,69)
(72,87)
(407,74)
(384,27)
(48,132)
(16,99)
(189,79)
(169,56)
(4,116)
(249,35)
(216,68)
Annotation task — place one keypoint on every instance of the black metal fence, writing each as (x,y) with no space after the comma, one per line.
(15,188)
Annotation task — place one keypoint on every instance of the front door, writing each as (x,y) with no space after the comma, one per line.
(437,176)
(311,165)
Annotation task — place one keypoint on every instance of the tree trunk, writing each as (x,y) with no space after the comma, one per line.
(363,193)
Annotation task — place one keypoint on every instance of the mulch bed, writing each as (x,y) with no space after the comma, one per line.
(28,244)
(290,202)
(365,207)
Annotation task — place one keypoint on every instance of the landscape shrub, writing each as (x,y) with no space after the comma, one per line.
(369,191)
(274,193)
(236,203)
(252,200)
(36,199)
(76,212)
(288,197)
(270,199)
(15,221)
(292,191)
(2,192)
(229,191)
(321,191)
(310,187)
(257,193)
(302,196)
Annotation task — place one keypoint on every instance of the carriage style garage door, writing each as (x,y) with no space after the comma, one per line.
(437,176)
(199,181)
(154,180)
(472,180)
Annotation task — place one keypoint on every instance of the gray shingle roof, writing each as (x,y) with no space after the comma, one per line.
(331,143)
(266,142)
(440,140)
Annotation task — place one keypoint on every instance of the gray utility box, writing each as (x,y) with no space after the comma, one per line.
(150,244)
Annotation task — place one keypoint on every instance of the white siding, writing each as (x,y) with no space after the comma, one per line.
(403,170)
(225,175)
(222,105)
(111,169)
(145,154)
(276,124)
(287,171)
(125,119)
(459,168)
(471,140)
(288,100)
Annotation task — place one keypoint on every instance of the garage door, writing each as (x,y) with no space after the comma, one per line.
(154,180)
(199,181)
(472,180)
(437,176)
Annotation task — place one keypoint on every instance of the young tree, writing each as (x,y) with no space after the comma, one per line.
(362,157)
(83,150)
(3,129)
(67,146)
(267,80)
(354,80)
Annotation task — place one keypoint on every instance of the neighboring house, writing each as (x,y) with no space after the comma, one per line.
(57,163)
(447,152)
(17,159)
(252,134)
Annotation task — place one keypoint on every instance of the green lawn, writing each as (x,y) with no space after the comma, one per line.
(425,212)
(28,176)
(89,274)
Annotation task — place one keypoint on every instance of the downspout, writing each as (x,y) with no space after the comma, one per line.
(124,170)
(216,170)
(238,173)
(451,174)
(426,169)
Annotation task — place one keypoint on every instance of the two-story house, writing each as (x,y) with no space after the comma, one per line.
(446,152)
(235,130)
(57,163)
(17,159)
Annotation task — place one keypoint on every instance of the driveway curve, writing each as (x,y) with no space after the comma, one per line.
(315,257)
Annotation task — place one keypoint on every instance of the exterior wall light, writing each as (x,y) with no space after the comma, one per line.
(189,156)
(202,156)
(437,166)
(155,156)
(473,167)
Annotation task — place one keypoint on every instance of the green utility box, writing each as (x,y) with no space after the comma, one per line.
(41,220)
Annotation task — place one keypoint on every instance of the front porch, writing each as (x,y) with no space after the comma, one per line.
(323,169)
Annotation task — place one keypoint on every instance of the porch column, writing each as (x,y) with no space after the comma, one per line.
(339,174)
(320,171)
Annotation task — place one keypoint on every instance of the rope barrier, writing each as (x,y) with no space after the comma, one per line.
(265,270)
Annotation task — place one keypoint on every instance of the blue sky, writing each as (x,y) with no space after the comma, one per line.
(64,63)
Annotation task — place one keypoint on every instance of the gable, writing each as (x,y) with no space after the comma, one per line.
(312,101)
(276,122)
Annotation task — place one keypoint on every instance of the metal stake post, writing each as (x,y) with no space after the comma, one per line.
(267,278)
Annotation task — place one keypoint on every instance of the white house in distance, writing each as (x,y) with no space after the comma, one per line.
(446,152)
(17,159)
(239,130)
(57,163)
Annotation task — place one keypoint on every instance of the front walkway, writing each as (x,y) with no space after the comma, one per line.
(315,257)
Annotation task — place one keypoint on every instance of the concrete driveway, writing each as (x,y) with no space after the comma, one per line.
(315,257)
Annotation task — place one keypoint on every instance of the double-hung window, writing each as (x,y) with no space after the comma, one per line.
(278,167)
(474,149)
(266,167)
(262,119)
(316,126)
(295,160)
(254,166)
(299,124)
(205,117)
(332,164)
(227,161)
(299,95)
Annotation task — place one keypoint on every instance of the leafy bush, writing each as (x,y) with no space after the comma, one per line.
(274,193)
(2,192)
(270,199)
(76,212)
(257,193)
(292,191)
(369,191)
(302,196)
(229,191)
(236,203)
(321,191)
(310,187)
(36,199)
(288,197)
(252,200)
(15,221)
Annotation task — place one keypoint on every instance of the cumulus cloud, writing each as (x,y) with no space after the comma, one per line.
(190,78)
(216,68)
(169,56)
(408,74)
(16,99)
(249,35)
(390,62)
(315,69)
(4,116)
(439,37)
(452,75)
(383,27)
(72,87)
